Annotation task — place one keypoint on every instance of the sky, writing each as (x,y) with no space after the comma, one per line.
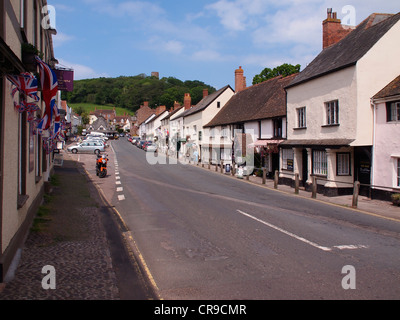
(203,40)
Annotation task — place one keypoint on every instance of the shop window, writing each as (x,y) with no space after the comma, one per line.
(287,159)
(320,163)
(343,164)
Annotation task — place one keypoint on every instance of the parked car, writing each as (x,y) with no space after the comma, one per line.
(87,147)
(105,144)
(96,140)
(135,140)
(141,143)
(150,147)
(145,144)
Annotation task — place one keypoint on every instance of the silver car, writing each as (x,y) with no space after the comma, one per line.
(87,147)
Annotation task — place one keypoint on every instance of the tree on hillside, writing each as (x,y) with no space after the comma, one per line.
(282,70)
(79,110)
(131,92)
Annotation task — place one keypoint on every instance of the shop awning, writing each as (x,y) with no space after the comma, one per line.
(216,145)
(265,143)
(326,143)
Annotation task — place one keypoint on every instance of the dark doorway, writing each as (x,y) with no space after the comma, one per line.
(275,162)
(304,173)
(362,170)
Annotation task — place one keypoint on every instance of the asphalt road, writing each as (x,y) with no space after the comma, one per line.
(204,235)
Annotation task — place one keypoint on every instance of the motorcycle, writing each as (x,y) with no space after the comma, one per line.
(101,166)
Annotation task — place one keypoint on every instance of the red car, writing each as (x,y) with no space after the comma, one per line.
(145,144)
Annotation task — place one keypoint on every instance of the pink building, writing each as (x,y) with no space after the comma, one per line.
(386,152)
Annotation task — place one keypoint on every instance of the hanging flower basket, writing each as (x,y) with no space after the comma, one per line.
(29,51)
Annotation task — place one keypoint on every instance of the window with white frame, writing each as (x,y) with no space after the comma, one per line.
(320,162)
(212,132)
(393,111)
(332,112)
(398,172)
(301,117)
(343,164)
(224,132)
(287,159)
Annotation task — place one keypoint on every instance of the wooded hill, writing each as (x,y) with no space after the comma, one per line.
(131,92)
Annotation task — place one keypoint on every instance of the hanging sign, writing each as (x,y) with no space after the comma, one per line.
(65,79)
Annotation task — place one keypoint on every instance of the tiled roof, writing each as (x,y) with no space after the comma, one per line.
(261,101)
(392,89)
(350,49)
(205,102)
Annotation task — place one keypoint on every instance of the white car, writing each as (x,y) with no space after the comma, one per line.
(87,147)
(151,148)
(96,140)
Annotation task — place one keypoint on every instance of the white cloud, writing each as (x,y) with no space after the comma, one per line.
(63,7)
(290,27)
(172,46)
(61,38)
(81,71)
(208,55)
(231,16)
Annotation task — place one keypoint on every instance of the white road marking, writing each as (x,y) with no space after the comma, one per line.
(351,247)
(121,197)
(118,182)
(120,189)
(118,177)
(313,244)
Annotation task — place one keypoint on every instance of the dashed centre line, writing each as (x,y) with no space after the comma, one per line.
(120,197)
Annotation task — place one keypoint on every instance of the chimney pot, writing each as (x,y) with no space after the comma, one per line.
(187,101)
(333,30)
(240,80)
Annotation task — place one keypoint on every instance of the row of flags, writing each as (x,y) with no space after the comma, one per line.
(26,85)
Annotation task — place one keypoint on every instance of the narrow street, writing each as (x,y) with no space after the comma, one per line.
(204,235)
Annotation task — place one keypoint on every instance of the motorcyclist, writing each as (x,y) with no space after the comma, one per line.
(99,162)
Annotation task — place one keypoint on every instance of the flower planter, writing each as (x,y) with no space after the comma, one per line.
(29,60)
(396,199)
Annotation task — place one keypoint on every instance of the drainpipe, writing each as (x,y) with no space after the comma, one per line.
(373,143)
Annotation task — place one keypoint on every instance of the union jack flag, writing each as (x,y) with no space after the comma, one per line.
(49,83)
(27,85)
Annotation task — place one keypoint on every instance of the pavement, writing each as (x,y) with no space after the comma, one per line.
(78,234)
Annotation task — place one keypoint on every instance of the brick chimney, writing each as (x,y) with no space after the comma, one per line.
(187,101)
(145,104)
(205,93)
(240,80)
(332,29)
(160,109)
(176,105)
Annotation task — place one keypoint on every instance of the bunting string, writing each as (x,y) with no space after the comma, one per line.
(27,86)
